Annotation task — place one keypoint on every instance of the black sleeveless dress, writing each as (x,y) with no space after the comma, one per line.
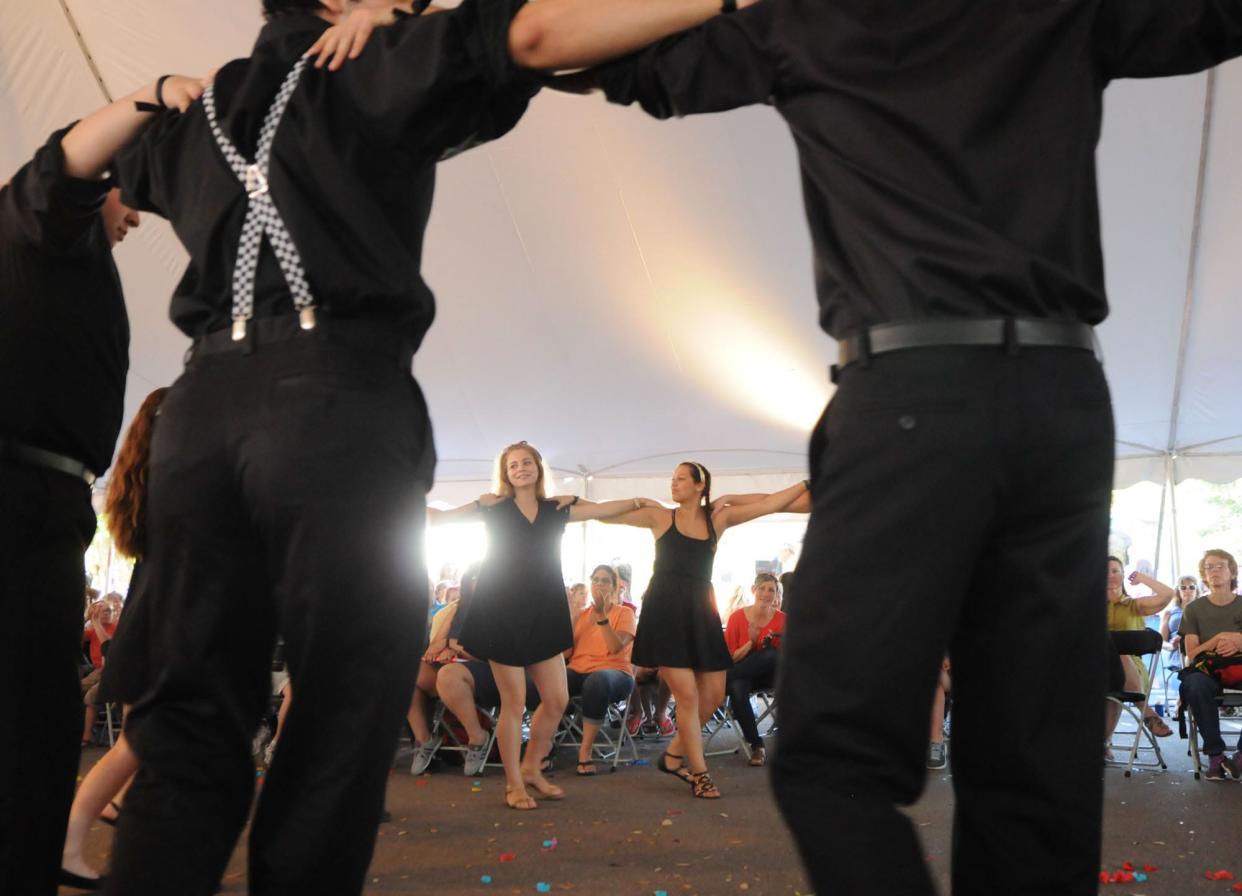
(679,625)
(519,615)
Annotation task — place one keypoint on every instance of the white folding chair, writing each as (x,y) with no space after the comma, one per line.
(609,742)
(764,701)
(451,743)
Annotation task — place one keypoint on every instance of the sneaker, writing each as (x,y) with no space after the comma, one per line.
(1233,766)
(936,755)
(666,728)
(1216,769)
(476,758)
(633,725)
(422,755)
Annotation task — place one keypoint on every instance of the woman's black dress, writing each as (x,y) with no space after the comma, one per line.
(519,615)
(679,626)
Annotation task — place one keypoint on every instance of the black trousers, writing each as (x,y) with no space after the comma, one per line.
(755,672)
(960,505)
(287,494)
(46,522)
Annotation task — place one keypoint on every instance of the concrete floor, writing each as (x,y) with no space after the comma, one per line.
(639,832)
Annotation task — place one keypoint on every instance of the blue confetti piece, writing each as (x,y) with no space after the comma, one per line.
(661,893)
(485,879)
(543,888)
(1140,876)
(648,762)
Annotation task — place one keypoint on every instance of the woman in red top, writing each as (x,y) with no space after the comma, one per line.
(753,636)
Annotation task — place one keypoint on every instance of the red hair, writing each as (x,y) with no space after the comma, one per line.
(126,500)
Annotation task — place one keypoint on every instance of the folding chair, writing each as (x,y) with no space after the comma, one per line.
(1230,725)
(570,734)
(451,743)
(724,720)
(1141,739)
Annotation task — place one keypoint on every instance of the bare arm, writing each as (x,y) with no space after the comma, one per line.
(436,516)
(1149,606)
(552,35)
(91,144)
(776,502)
(623,512)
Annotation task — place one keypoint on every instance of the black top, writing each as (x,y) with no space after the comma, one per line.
(677,554)
(64,336)
(353,164)
(518,614)
(947,147)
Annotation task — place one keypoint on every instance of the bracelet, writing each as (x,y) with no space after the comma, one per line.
(637,505)
(574,501)
(159,91)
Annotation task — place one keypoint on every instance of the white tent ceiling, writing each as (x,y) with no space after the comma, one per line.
(624,292)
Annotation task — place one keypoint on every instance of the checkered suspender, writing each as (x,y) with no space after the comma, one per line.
(262,216)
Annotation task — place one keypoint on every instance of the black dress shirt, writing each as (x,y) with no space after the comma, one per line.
(353,162)
(64,336)
(947,147)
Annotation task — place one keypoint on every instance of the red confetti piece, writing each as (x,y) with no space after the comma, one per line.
(1103,877)
(508,856)
(1127,866)
(1125,877)
(1237,888)
(1150,868)
(673,813)
(1224,875)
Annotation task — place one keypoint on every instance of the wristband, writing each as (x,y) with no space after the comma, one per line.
(159,91)
(574,501)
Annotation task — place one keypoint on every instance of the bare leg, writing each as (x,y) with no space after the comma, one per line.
(420,724)
(286,700)
(455,685)
(589,732)
(938,701)
(110,775)
(1112,712)
(688,742)
(549,679)
(511,682)
(664,694)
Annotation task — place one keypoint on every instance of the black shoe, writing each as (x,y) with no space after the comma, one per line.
(69,879)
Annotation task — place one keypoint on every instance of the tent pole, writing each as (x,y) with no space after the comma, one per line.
(1164,494)
(586,494)
(1173,532)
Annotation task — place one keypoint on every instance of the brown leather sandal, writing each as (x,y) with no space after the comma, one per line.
(704,787)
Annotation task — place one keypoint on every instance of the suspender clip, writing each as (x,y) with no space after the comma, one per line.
(306,317)
(239,329)
(256,181)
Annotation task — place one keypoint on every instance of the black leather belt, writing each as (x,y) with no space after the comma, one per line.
(10,449)
(372,334)
(1010,332)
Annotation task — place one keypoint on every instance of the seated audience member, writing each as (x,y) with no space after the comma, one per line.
(576,594)
(1171,618)
(101,621)
(624,590)
(599,667)
(1211,631)
(754,636)
(436,655)
(649,717)
(438,602)
(1126,613)
(936,757)
(465,683)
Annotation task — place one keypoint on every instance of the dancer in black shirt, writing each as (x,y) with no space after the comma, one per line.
(947,151)
(64,341)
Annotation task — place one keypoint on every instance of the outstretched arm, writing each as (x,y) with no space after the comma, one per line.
(464,512)
(1149,606)
(552,35)
(91,144)
(609,511)
(777,502)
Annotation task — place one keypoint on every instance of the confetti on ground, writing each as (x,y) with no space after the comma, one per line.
(660,893)
(1237,888)
(543,888)
(668,823)
(476,789)
(1218,875)
(1150,868)
(421,782)
(508,856)
(673,813)
(485,879)
(1127,866)
(644,762)
(551,844)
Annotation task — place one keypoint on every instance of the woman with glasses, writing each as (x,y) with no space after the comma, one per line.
(599,668)
(1171,618)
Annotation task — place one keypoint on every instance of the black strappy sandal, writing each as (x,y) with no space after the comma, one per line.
(680,772)
(113,820)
